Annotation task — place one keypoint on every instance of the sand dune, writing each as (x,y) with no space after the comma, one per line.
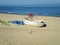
(28,35)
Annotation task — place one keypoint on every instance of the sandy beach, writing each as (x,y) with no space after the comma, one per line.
(28,35)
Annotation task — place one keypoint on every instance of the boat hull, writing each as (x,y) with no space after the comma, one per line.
(34,23)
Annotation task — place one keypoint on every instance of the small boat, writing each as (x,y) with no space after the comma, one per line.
(39,23)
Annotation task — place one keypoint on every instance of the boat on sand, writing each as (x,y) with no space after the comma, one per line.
(39,23)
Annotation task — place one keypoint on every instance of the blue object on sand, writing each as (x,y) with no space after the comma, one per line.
(18,22)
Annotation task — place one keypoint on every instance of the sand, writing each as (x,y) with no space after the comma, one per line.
(28,35)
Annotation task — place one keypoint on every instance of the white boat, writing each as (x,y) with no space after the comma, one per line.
(35,23)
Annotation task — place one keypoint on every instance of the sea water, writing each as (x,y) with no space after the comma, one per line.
(41,11)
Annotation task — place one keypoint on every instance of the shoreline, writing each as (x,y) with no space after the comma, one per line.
(27,14)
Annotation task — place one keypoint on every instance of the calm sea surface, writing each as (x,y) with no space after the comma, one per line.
(41,11)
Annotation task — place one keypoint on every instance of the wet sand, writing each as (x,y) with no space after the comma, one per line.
(28,35)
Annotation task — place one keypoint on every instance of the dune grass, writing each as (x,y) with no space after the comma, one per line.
(3,22)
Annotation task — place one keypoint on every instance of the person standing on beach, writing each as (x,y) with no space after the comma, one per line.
(31,16)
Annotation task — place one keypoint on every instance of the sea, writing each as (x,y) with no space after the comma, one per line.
(40,11)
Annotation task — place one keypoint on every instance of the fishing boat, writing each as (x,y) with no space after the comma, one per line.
(39,23)
(30,21)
